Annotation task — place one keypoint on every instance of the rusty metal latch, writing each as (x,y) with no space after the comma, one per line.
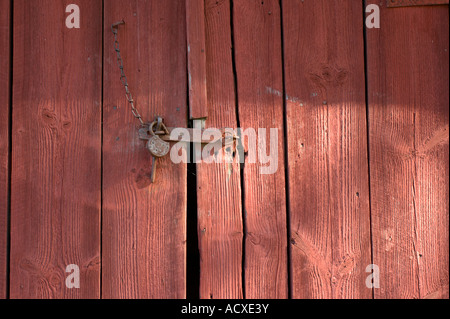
(158,137)
(169,134)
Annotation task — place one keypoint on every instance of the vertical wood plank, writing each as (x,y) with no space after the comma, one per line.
(327,147)
(4,139)
(144,224)
(257,36)
(220,228)
(408,79)
(195,29)
(56,134)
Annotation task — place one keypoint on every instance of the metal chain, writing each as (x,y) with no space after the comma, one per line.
(123,77)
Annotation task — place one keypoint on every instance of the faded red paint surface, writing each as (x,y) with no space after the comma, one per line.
(362,117)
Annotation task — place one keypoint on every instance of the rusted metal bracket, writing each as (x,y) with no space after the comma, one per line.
(412,3)
(145,134)
(158,136)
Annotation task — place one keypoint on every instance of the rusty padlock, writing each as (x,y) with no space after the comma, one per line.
(156,146)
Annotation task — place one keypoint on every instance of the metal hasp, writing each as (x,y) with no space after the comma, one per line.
(411,3)
(144,134)
(158,137)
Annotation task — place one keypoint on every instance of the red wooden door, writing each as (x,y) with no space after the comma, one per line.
(361,150)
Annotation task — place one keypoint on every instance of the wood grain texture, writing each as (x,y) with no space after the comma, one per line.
(56,134)
(144,225)
(195,29)
(220,228)
(327,148)
(408,80)
(257,38)
(4,139)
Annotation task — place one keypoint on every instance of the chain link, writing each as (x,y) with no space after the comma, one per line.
(123,77)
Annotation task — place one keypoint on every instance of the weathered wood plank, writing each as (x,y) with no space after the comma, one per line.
(408,79)
(195,28)
(220,228)
(257,34)
(4,139)
(56,150)
(327,148)
(144,225)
